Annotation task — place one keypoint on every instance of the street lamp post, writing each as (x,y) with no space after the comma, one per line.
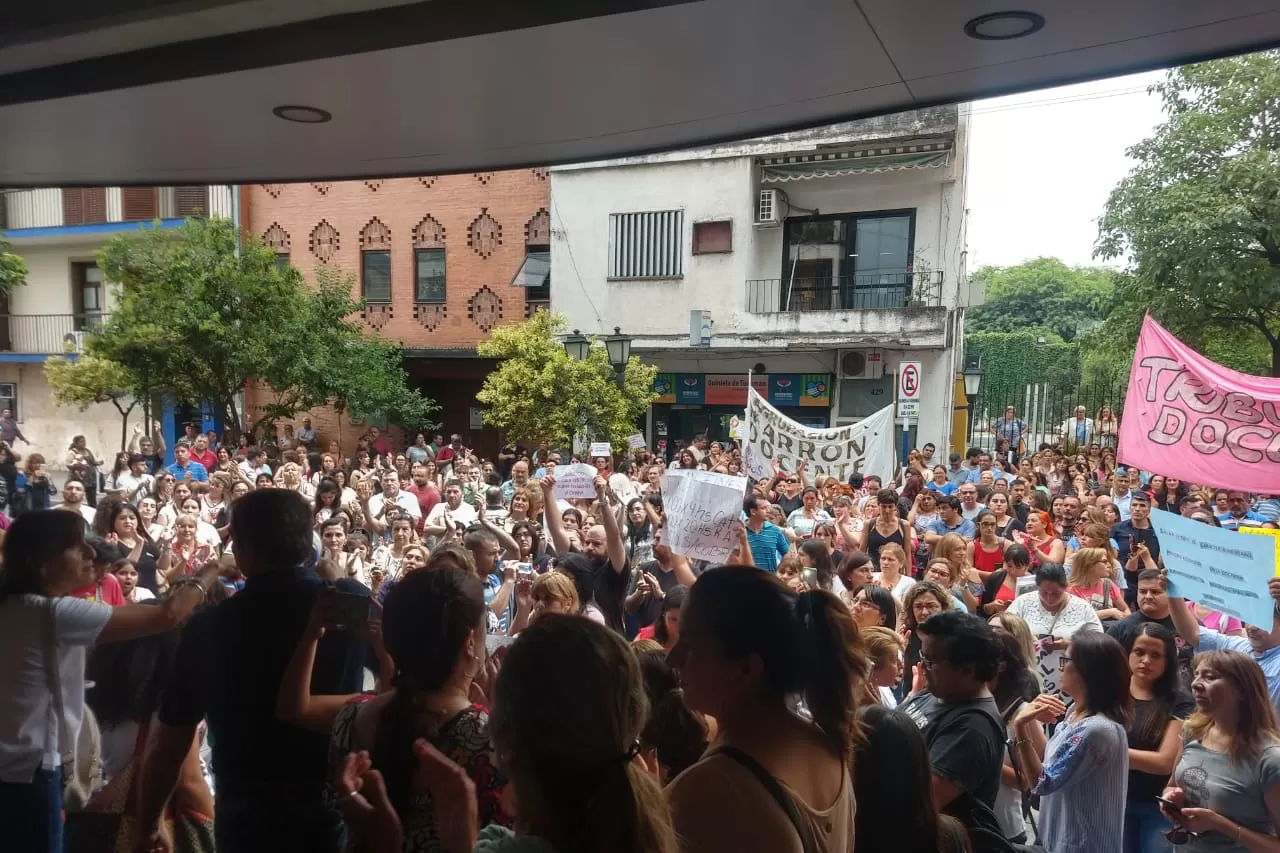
(972,386)
(577,345)
(619,347)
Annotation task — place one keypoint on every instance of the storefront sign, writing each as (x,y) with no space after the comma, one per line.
(1217,568)
(730,389)
(1190,418)
(862,448)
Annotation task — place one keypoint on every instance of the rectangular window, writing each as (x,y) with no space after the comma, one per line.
(9,399)
(375,276)
(646,245)
(865,260)
(282,259)
(711,238)
(86,295)
(428,267)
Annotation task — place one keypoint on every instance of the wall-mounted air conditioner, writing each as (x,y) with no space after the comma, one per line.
(861,364)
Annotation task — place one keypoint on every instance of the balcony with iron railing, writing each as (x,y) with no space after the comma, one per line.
(865,292)
(46,334)
(72,206)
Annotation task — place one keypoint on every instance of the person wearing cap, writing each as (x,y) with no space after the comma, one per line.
(1128,533)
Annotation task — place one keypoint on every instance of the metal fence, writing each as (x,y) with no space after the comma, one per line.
(872,291)
(47,334)
(1043,406)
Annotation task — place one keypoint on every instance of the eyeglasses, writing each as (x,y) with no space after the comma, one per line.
(791,480)
(1180,835)
(1063,661)
(928,663)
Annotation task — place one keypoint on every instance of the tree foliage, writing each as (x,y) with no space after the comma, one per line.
(539,392)
(201,315)
(13,270)
(1042,296)
(1199,215)
(89,379)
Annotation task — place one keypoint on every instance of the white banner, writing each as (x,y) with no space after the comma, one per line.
(601,448)
(702,509)
(862,448)
(575,482)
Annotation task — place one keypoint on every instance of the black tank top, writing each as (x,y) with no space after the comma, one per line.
(875,542)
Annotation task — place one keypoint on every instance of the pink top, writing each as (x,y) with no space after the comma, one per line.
(1216,621)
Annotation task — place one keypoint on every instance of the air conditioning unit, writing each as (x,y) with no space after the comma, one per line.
(862,364)
(73,342)
(768,209)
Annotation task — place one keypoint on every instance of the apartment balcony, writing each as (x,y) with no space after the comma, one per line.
(96,206)
(46,334)
(897,309)
(870,292)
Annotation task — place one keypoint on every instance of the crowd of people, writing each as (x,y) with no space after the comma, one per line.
(288,647)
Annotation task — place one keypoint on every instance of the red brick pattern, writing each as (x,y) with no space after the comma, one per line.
(464,214)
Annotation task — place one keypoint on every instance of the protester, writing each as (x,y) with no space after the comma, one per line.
(1153,608)
(1083,768)
(45,560)
(1225,789)
(1160,708)
(960,722)
(1012,687)
(767,541)
(674,737)
(1054,616)
(746,644)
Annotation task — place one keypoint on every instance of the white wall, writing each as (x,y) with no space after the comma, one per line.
(51,427)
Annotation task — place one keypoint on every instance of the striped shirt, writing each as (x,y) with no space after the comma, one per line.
(1083,787)
(767,546)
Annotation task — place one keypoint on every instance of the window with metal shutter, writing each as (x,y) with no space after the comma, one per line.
(139,203)
(646,245)
(190,201)
(84,205)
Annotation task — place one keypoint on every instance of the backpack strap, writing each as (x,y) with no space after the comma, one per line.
(784,800)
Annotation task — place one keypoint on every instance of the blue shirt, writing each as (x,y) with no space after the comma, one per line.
(767,546)
(198,472)
(947,488)
(965,528)
(1230,522)
(1268,661)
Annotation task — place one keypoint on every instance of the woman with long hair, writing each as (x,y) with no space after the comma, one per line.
(34,487)
(1083,769)
(815,557)
(433,629)
(1107,429)
(639,524)
(1092,570)
(808,515)
(921,601)
(186,553)
(892,779)
(1006,524)
(1226,785)
(953,548)
(82,465)
(1155,733)
(986,552)
(328,500)
(1170,495)
(854,570)
(883,647)
(748,644)
(1005,584)
(147,558)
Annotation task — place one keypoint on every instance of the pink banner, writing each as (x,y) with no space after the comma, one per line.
(1189,418)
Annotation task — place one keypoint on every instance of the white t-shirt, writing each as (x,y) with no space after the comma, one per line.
(905,582)
(403,500)
(28,726)
(464,514)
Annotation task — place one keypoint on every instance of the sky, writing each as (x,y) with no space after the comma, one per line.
(1042,164)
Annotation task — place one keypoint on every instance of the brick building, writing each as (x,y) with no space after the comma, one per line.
(434,258)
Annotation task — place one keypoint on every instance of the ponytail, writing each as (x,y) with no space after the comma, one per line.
(834,667)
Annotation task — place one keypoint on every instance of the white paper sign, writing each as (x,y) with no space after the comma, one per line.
(738,428)
(862,448)
(575,482)
(702,509)
(637,442)
(601,448)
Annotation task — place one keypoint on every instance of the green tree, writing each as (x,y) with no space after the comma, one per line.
(1043,296)
(1199,216)
(84,381)
(202,314)
(539,392)
(13,270)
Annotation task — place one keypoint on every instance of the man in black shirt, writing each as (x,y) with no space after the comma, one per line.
(1153,606)
(269,776)
(961,723)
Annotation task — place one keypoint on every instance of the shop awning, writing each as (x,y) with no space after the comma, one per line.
(830,164)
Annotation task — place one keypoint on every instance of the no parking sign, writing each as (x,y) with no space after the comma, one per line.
(909,389)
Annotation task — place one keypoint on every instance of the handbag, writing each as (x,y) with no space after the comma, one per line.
(108,823)
(771,785)
(81,760)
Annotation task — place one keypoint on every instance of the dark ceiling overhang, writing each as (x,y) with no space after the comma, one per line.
(161,91)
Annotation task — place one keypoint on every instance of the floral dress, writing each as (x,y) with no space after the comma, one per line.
(464,739)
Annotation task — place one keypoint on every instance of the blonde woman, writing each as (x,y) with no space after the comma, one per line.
(883,646)
(954,548)
(1107,428)
(289,476)
(1090,579)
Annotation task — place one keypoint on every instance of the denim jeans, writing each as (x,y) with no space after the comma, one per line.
(1144,829)
(31,813)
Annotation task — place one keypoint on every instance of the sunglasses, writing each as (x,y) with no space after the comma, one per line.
(1180,835)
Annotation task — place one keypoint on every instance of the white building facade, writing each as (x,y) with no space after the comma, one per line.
(819,260)
(58,233)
